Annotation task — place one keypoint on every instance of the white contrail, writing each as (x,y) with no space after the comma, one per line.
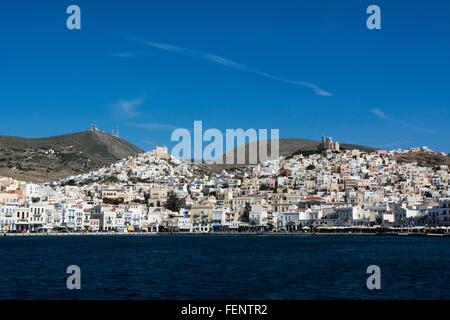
(229,63)
(383,115)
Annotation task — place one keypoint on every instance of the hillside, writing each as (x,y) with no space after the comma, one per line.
(424,159)
(289,147)
(45,159)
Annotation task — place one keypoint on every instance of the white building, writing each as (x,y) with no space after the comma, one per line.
(288,221)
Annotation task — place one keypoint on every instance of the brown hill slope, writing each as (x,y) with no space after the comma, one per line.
(288,147)
(45,159)
(424,159)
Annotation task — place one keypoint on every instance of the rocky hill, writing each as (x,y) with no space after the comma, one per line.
(53,158)
(288,147)
(424,159)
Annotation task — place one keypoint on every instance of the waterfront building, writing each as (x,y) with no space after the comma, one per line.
(337,188)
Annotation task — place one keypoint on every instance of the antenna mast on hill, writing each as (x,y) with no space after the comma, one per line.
(115,132)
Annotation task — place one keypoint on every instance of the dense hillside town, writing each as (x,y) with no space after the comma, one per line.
(321,191)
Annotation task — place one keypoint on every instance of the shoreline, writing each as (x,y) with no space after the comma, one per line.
(230,234)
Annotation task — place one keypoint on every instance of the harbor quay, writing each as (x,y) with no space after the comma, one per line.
(374,231)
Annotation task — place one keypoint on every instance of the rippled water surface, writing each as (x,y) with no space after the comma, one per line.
(224,267)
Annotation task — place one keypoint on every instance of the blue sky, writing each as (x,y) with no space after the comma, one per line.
(306,67)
